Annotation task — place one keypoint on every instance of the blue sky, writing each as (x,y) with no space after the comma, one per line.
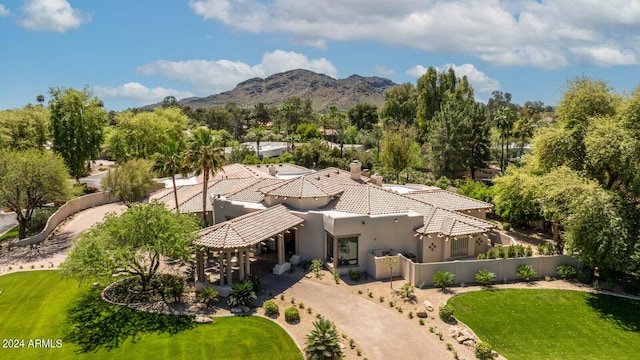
(133,53)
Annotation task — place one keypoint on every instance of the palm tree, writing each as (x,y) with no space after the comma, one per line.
(205,157)
(504,120)
(323,341)
(258,133)
(170,161)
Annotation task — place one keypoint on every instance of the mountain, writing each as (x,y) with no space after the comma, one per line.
(323,90)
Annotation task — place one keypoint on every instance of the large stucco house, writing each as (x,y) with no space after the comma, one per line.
(342,217)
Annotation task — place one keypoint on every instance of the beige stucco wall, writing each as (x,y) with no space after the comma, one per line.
(379,232)
(297,203)
(435,249)
(224,210)
(311,236)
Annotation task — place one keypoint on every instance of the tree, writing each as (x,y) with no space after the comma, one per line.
(504,120)
(257,133)
(479,143)
(77,119)
(130,181)
(170,102)
(205,157)
(399,150)
(363,115)
(449,140)
(308,132)
(25,128)
(400,104)
(169,161)
(40,99)
(514,196)
(140,135)
(390,262)
(323,342)
(135,242)
(30,179)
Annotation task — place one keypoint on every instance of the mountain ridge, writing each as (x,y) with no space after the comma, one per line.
(323,90)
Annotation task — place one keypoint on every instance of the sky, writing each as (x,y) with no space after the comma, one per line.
(134,53)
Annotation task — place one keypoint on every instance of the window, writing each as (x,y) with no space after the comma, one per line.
(329,248)
(459,247)
(348,251)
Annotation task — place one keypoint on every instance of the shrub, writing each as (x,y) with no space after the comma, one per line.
(355,275)
(410,315)
(241,294)
(443,279)
(399,308)
(323,342)
(528,252)
(256,283)
(449,346)
(336,277)
(173,287)
(39,220)
(567,271)
(406,292)
(316,267)
(271,309)
(208,296)
(512,251)
(370,294)
(585,275)
(500,253)
(301,305)
(526,272)
(485,277)
(446,313)
(291,314)
(381,298)
(506,226)
(483,351)
(421,322)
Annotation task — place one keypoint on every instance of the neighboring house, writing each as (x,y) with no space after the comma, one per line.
(339,216)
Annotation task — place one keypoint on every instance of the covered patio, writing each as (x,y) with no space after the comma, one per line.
(231,245)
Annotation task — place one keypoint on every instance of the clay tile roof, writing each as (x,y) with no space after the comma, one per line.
(448,200)
(252,193)
(327,182)
(249,229)
(451,223)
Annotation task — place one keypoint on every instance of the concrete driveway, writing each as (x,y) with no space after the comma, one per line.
(382,332)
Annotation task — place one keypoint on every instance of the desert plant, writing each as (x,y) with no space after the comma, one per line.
(271,309)
(449,346)
(309,310)
(399,308)
(370,294)
(567,271)
(485,277)
(421,322)
(443,279)
(410,315)
(301,305)
(483,350)
(316,267)
(528,252)
(291,314)
(391,304)
(282,297)
(512,251)
(323,341)
(526,272)
(406,292)
(355,275)
(173,287)
(208,296)
(336,277)
(446,313)
(500,253)
(241,294)
(381,298)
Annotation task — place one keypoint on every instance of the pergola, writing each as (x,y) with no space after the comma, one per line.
(238,235)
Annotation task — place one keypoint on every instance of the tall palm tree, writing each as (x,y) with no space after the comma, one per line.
(258,133)
(170,161)
(323,341)
(205,157)
(504,121)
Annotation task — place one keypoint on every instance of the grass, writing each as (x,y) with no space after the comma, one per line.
(11,234)
(41,305)
(552,324)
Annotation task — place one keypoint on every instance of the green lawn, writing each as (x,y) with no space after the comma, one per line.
(552,324)
(11,234)
(40,305)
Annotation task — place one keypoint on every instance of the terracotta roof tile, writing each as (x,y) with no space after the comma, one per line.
(249,229)
(327,182)
(448,200)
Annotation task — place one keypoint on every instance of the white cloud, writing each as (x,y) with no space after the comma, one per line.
(480,81)
(139,93)
(548,34)
(52,15)
(212,77)
(4,11)
(384,71)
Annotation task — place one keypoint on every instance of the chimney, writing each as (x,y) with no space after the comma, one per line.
(356,169)
(272,170)
(376,180)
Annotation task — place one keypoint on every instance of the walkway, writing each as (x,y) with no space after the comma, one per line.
(381,332)
(52,251)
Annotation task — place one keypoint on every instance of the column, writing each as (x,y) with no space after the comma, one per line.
(229,270)
(247,262)
(280,247)
(221,268)
(297,241)
(241,263)
(200,265)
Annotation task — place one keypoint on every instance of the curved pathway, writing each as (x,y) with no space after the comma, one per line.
(53,250)
(380,332)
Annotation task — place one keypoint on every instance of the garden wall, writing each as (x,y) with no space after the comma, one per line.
(69,208)
(501,238)
(465,270)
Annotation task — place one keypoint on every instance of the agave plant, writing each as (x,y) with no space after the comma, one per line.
(323,342)
(242,294)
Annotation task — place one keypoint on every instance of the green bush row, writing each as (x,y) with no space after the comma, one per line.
(511,251)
